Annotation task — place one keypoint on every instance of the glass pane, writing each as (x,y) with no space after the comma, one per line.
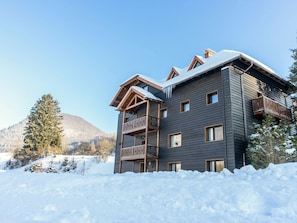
(172,141)
(175,140)
(214,98)
(173,167)
(210,136)
(187,107)
(219,165)
(177,167)
(219,133)
(164,113)
(197,64)
(211,166)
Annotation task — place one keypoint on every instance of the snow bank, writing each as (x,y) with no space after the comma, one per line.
(247,195)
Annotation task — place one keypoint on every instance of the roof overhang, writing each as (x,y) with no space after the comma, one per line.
(136,96)
(135,80)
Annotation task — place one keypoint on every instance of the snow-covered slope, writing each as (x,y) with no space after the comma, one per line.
(247,195)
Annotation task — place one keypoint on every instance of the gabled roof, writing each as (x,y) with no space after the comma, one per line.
(196,59)
(135,80)
(173,73)
(219,59)
(136,95)
(213,61)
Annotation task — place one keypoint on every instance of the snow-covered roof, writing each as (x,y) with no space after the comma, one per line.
(218,59)
(212,62)
(144,77)
(145,94)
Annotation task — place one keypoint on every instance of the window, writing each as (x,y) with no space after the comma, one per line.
(197,64)
(214,133)
(164,113)
(174,167)
(146,87)
(185,106)
(215,165)
(212,97)
(175,140)
(174,75)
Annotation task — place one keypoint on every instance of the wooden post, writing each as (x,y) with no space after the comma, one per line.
(146,134)
(120,167)
(122,141)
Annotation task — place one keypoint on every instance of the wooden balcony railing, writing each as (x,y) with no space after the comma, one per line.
(139,124)
(264,105)
(138,152)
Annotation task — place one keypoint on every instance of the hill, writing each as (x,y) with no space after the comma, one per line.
(76,130)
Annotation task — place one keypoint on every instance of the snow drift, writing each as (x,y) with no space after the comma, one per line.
(247,195)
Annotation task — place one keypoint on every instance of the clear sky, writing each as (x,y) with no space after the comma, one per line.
(81,51)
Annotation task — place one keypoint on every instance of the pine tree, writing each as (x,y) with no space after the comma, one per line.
(293,81)
(293,69)
(271,143)
(43,130)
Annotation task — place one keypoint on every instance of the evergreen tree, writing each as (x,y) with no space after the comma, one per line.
(293,69)
(271,143)
(43,130)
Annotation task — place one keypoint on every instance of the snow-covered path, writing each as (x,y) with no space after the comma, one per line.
(248,195)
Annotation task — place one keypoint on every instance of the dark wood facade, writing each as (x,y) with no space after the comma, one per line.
(244,94)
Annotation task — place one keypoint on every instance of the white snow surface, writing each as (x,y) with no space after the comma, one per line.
(247,195)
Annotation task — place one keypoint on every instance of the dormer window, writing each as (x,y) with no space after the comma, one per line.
(197,64)
(174,75)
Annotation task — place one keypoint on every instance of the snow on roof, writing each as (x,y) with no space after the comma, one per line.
(144,77)
(212,62)
(146,94)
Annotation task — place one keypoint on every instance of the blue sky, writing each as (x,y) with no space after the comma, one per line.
(81,51)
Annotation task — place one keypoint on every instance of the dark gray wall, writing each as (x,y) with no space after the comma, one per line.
(194,150)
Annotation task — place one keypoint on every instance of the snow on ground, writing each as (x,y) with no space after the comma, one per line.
(247,195)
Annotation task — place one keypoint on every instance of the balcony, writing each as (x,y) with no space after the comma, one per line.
(264,105)
(139,125)
(138,152)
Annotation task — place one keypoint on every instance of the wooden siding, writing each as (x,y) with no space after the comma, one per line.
(194,150)
(239,123)
(227,112)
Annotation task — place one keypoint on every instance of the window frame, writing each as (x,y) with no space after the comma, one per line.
(208,161)
(169,166)
(169,140)
(206,132)
(209,97)
(183,104)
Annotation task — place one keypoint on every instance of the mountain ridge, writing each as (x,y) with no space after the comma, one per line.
(76,129)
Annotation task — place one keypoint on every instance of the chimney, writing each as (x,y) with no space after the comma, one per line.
(208,53)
